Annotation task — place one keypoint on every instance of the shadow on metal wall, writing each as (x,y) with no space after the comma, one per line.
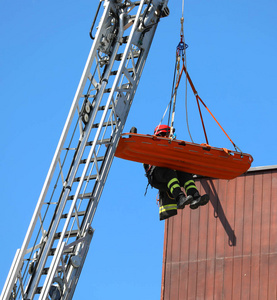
(210,189)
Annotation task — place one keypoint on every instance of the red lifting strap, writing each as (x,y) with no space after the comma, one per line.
(184,69)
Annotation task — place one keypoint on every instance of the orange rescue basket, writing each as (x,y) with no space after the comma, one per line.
(183,156)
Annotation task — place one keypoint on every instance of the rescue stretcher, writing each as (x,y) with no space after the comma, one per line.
(199,159)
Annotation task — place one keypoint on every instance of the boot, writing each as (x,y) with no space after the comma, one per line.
(182,200)
(199,200)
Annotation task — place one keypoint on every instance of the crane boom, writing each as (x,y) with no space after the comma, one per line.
(50,261)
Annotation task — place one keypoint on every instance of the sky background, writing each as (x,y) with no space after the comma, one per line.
(44,45)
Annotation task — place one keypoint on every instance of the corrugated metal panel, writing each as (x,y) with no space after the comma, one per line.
(228,248)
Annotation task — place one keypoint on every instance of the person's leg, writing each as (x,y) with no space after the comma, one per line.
(186,180)
(169,180)
(167,205)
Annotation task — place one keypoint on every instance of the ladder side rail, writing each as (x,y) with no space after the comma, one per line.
(50,275)
(74,267)
(69,183)
(92,151)
(65,193)
(12,277)
(69,214)
(55,262)
(9,281)
(76,271)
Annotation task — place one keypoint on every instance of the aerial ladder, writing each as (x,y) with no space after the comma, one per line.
(50,261)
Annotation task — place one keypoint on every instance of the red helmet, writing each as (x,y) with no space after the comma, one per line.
(162,130)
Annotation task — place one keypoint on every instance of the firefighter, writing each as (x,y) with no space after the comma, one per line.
(169,183)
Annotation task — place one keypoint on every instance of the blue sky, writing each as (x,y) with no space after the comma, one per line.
(43,48)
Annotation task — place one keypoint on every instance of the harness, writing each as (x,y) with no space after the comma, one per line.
(149,175)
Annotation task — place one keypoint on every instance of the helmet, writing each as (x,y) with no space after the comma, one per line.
(162,130)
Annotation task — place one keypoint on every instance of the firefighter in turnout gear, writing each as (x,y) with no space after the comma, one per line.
(169,183)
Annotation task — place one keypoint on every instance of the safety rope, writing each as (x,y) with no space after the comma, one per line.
(186,82)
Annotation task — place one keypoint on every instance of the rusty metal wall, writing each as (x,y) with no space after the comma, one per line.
(228,248)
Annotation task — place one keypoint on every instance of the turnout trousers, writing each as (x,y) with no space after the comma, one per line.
(169,183)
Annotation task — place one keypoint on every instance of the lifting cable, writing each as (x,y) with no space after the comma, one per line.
(180,52)
(185,57)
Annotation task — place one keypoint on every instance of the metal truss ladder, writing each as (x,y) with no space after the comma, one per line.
(49,263)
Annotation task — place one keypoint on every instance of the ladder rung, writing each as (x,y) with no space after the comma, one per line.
(88,96)
(45,270)
(104,124)
(118,57)
(103,107)
(99,158)
(100,142)
(71,233)
(52,252)
(125,39)
(130,70)
(87,178)
(85,196)
(80,214)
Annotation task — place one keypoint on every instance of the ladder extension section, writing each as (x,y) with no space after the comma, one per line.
(49,263)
